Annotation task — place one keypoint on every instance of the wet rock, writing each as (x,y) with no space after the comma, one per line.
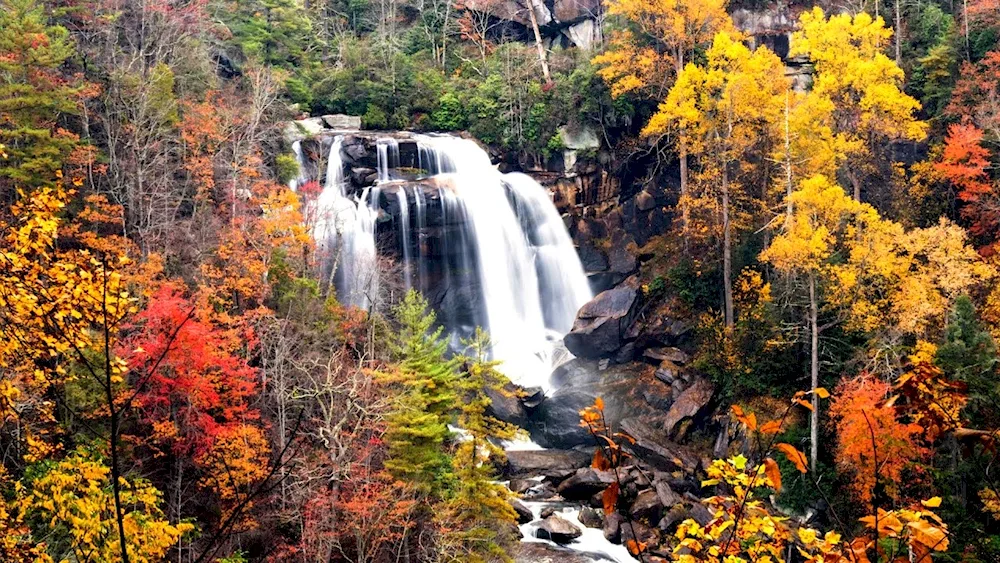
(690,402)
(666,495)
(674,516)
(654,447)
(362,176)
(626,389)
(531,397)
(612,527)
(545,462)
(701,514)
(524,514)
(557,529)
(593,260)
(518,486)
(667,353)
(591,517)
(540,491)
(505,404)
(647,506)
(601,324)
(640,532)
(546,512)
(578,138)
(584,483)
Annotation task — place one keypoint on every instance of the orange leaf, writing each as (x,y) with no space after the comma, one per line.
(599,404)
(634,547)
(797,458)
(771,427)
(805,404)
(600,462)
(773,473)
(609,498)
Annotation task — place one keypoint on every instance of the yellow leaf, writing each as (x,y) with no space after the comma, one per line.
(932,502)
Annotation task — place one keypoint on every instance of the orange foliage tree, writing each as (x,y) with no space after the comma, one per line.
(873,443)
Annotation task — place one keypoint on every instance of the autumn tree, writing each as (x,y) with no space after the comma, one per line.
(417,427)
(964,164)
(873,444)
(35,98)
(72,504)
(659,40)
(478,518)
(727,108)
(863,86)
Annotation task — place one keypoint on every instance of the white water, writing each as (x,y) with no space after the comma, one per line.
(591,542)
(300,179)
(345,232)
(509,236)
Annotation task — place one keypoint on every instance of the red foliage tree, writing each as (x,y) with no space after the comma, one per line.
(964,164)
(873,443)
(192,394)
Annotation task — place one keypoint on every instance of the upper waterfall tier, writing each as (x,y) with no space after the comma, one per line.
(487,249)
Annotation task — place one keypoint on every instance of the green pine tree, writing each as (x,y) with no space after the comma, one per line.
(968,354)
(479,519)
(417,428)
(34,96)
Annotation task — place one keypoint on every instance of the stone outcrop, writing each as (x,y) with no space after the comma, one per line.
(558,529)
(545,462)
(602,324)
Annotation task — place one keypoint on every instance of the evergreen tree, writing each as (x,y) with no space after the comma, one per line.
(276,32)
(33,96)
(479,517)
(969,354)
(417,427)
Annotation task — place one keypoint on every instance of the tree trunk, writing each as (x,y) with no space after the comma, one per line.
(727,244)
(542,60)
(899,35)
(788,165)
(813,371)
(683,157)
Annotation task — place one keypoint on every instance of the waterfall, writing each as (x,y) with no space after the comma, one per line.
(301,178)
(562,281)
(404,234)
(494,253)
(345,235)
(388,157)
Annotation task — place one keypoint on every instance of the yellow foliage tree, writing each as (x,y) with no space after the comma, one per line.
(860,87)
(726,107)
(74,500)
(666,34)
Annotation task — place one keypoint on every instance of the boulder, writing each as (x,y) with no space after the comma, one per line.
(505,404)
(584,483)
(362,176)
(626,389)
(545,462)
(524,514)
(654,447)
(690,402)
(557,529)
(640,532)
(518,486)
(540,552)
(342,122)
(567,11)
(674,516)
(647,506)
(602,323)
(666,495)
(591,517)
(297,130)
(667,372)
(644,201)
(667,353)
(585,34)
(612,527)
(593,260)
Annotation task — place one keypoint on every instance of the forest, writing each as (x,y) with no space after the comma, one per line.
(499,281)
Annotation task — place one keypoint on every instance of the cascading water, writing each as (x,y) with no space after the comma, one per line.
(345,234)
(502,258)
(301,178)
